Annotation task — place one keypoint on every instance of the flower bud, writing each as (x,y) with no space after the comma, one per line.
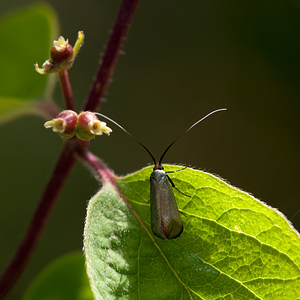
(62,55)
(64,124)
(88,126)
(62,51)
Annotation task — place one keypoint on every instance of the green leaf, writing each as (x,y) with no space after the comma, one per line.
(232,247)
(11,108)
(26,37)
(63,279)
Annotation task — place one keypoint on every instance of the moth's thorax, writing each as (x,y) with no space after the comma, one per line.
(158,175)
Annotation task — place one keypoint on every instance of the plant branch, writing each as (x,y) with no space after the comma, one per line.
(111,54)
(97,166)
(66,88)
(17,265)
(67,159)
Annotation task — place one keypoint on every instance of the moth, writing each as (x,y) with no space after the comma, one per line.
(166,221)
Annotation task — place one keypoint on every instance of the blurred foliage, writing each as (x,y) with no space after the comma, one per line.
(63,279)
(26,36)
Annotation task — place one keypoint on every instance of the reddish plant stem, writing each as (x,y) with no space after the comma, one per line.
(66,88)
(111,54)
(97,166)
(67,159)
(57,180)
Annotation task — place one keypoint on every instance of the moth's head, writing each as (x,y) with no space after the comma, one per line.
(158,166)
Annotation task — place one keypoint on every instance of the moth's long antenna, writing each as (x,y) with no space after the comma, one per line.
(109,119)
(217,110)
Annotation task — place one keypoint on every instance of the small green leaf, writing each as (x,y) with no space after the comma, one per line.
(232,247)
(26,37)
(11,108)
(63,279)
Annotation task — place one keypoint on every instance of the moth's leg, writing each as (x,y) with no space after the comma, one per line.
(176,171)
(173,185)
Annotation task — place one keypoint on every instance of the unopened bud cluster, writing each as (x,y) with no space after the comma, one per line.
(62,55)
(84,125)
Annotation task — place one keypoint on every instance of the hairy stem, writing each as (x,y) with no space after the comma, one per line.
(57,180)
(111,54)
(66,88)
(97,166)
(67,159)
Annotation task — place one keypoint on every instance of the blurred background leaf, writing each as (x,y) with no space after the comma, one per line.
(182,59)
(63,279)
(26,36)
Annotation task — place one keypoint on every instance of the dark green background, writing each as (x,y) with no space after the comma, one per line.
(182,60)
